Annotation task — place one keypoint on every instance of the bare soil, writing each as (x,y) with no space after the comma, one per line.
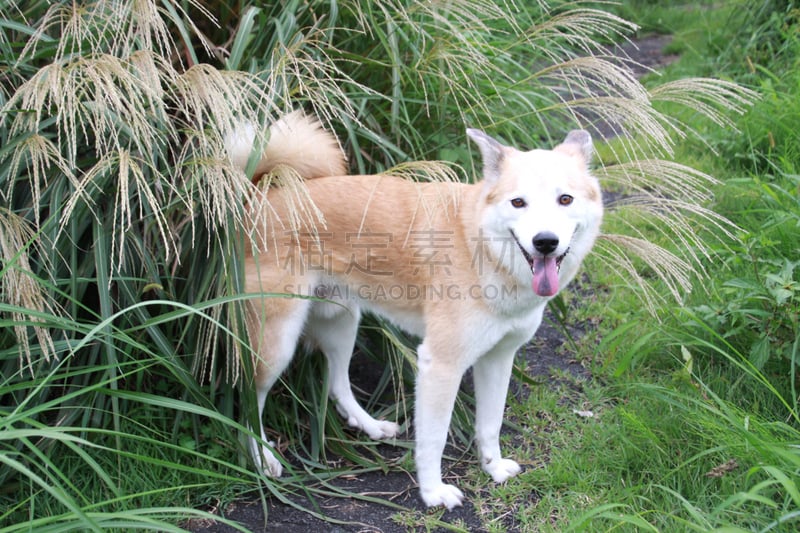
(542,359)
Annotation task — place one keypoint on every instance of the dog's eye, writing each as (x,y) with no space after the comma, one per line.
(518,203)
(565,199)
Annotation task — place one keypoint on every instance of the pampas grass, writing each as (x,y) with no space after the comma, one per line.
(24,296)
(153,127)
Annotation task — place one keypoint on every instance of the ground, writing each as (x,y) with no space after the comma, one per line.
(543,359)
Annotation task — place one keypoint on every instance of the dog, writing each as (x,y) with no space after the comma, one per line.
(467,268)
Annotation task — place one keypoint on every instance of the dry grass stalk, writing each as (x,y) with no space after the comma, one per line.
(22,292)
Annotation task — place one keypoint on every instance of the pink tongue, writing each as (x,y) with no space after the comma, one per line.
(545,276)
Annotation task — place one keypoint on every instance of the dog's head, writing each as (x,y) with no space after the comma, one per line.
(546,202)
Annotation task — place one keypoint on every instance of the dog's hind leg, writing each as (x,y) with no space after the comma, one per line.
(333,328)
(274,330)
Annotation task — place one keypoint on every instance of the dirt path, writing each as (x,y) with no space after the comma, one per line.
(540,359)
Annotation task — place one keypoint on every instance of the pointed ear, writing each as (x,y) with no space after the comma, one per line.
(492,153)
(578,143)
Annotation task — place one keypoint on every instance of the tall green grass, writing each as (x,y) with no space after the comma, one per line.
(707,437)
(124,372)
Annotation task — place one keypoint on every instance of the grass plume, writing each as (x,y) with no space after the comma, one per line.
(24,298)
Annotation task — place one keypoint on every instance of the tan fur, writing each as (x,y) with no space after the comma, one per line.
(296,141)
(451,273)
(302,144)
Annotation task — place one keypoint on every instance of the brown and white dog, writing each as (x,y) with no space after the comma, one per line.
(468,268)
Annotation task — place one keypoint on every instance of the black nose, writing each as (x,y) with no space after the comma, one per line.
(545,242)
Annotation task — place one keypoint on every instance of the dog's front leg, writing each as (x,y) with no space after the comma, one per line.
(437,386)
(491,375)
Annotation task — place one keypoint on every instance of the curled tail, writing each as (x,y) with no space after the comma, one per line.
(297,141)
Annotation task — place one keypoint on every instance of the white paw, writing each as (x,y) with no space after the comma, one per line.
(442,494)
(502,469)
(376,429)
(265,459)
(383,430)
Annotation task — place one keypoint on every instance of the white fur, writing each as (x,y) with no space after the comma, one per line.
(457,333)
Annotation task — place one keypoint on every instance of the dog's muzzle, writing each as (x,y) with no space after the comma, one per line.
(544,267)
